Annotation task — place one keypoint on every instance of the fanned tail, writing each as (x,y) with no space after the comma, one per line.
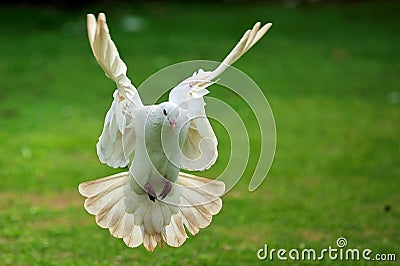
(137,220)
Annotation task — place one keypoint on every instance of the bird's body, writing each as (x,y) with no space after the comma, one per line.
(158,149)
(154,202)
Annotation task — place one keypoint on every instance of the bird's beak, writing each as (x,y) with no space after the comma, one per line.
(172,123)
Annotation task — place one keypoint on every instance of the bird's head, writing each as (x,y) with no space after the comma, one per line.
(169,111)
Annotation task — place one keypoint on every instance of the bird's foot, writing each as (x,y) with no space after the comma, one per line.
(166,189)
(150,191)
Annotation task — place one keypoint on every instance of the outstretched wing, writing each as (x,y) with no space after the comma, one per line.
(117,141)
(200,146)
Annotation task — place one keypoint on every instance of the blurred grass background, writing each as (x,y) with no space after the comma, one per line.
(329,71)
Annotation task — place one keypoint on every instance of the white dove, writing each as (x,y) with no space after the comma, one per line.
(153,202)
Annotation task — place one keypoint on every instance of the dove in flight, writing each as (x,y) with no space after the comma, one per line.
(154,202)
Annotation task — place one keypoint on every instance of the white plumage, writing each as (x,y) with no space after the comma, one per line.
(154,202)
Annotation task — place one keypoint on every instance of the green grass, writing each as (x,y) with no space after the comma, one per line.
(330,73)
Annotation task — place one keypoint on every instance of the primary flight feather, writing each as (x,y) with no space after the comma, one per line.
(154,202)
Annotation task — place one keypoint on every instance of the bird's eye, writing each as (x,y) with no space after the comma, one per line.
(165,112)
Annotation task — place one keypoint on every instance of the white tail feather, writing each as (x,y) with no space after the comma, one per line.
(138,220)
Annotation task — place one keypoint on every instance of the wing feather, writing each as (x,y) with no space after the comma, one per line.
(117,141)
(200,146)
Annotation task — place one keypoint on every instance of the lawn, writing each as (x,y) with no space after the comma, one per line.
(329,72)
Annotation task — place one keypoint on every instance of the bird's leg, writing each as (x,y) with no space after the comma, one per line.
(166,189)
(150,191)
